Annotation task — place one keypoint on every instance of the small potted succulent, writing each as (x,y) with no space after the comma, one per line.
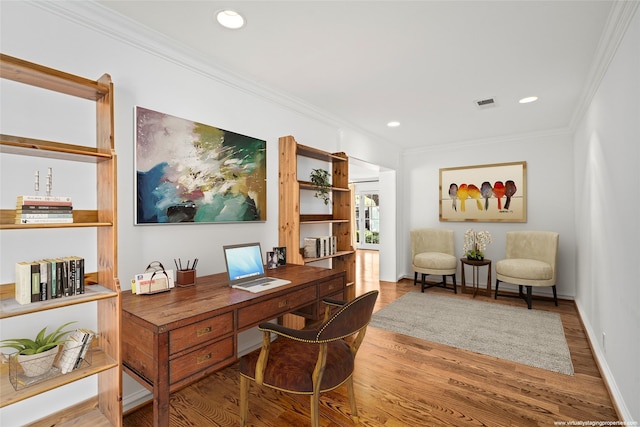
(37,356)
(320,179)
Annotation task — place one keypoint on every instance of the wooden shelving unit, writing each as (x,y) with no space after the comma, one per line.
(106,359)
(291,221)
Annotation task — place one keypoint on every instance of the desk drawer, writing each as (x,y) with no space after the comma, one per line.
(330,287)
(274,307)
(198,333)
(201,359)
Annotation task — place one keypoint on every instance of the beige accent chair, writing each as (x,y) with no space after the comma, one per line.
(432,253)
(531,260)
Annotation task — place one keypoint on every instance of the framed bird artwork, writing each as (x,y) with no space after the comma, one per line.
(484,193)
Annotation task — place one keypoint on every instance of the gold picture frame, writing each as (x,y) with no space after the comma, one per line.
(484,193)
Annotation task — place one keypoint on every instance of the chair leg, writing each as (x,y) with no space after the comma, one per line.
(555,295)
(315,409)
(495,295)
(455,290)
(415,278)
(529,296)
(352,400)
(423,283)
(244,400)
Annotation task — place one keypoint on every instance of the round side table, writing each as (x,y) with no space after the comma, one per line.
(475,265)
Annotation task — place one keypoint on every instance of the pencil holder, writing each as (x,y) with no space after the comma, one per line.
(185,278)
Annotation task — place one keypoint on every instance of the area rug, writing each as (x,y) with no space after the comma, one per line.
(531,337)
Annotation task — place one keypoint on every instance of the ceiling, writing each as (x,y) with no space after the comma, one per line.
(422,63)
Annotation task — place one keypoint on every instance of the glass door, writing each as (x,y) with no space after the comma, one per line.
(367,220)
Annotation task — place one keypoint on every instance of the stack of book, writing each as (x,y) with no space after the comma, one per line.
(318,247)
(48,279)
(44,210)
(75,350)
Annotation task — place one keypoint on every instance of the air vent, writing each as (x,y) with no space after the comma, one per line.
(483,104)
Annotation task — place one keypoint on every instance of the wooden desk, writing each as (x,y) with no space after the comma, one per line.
(475,282)
(172,339)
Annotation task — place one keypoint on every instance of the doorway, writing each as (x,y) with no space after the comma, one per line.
(367,213)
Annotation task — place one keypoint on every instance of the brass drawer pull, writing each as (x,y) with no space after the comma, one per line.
(203,331)
(204,358)
(282,304)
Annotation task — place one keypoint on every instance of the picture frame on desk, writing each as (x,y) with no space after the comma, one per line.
(281,255)
(272,260)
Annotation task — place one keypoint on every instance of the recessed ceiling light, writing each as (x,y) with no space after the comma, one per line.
(230,19)
(393,124)
(528,99)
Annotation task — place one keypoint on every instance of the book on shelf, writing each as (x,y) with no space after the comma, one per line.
(66,288)
(36,198)
(45,283)
(76,269)
(55,292)
(23,282)
(39,215)
(86,344)
(49,278)
(35,281)
(60,276)
(318,247)
(75,349)
(311,247)
(49,204)
(44,220)
(44,209)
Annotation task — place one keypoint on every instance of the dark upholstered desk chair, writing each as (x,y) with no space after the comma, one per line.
(531,260)
(433,253)
(309,361)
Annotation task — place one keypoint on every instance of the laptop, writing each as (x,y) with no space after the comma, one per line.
(246,270)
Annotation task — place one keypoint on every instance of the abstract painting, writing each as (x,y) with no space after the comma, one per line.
(189,172)
(485,193)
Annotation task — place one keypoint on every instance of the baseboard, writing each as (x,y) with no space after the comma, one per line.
(609,380)
(135,400)
(508,288)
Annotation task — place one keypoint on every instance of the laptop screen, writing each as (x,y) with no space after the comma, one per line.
(243,261)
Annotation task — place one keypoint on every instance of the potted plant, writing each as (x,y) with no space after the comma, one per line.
(475,243)
(320,179)
(36,356)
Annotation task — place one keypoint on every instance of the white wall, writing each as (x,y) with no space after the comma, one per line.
(607,178)
(549,195)
(67,36)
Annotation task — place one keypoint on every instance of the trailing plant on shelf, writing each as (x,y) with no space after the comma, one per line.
(475,243)
(320,179)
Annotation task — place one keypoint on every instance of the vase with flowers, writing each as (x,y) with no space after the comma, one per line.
(475,243)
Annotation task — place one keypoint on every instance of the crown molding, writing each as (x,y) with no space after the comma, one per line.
(107,22)
(475,143)
(620,17)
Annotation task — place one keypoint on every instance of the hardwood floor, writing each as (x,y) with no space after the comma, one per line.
(403,381)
